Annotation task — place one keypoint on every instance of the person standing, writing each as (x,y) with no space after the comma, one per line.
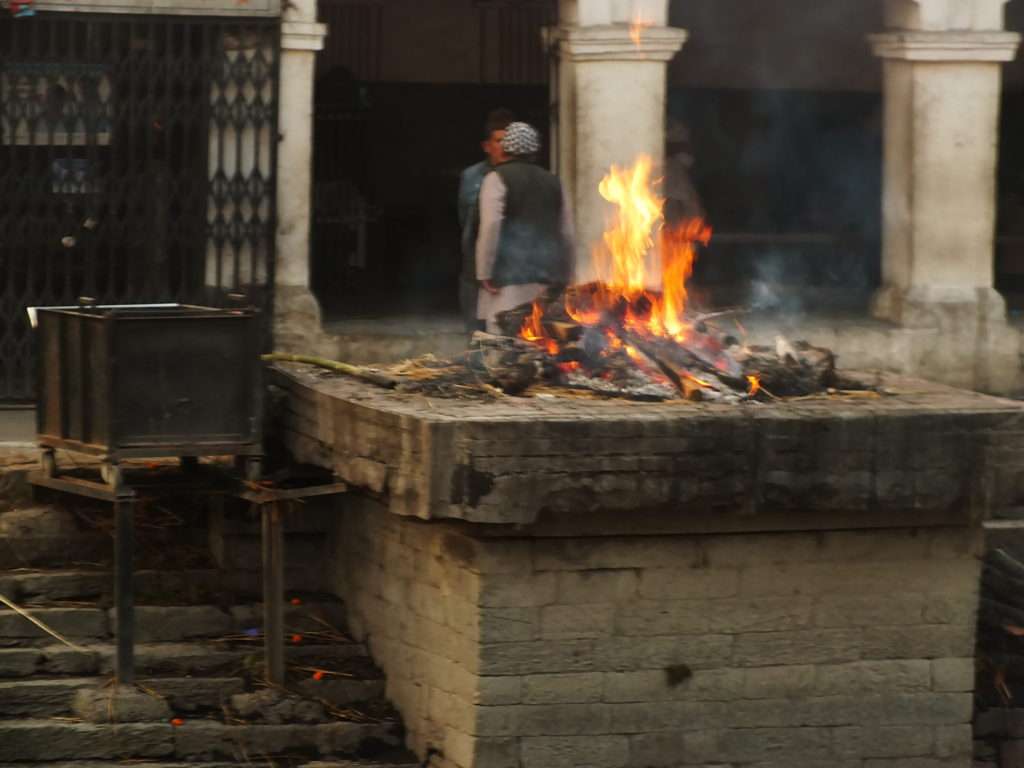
(469,210)
(682,202)
(525,243)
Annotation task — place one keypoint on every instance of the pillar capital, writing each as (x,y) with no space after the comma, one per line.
(618,42)
(302,35)
(938,15)
(965,46)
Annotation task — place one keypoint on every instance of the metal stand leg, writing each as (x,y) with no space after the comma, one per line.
(273,592)
(112,475)
(124,597)
(48,462)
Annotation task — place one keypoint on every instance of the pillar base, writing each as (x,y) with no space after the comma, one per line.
(973,346)
(939,306)
(297,320)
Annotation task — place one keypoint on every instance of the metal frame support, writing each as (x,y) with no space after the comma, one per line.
(124,591)
(273,592)
(271,504)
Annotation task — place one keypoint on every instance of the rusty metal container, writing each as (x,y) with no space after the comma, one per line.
(137,381)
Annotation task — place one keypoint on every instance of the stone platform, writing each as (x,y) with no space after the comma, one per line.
(925,449)
(565,583)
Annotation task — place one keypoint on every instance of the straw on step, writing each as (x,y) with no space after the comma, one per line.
(52,632)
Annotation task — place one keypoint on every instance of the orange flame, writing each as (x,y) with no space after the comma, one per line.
(627,261)
(533,329)
(641,264)
(677,257)
(628,241)
(755,385)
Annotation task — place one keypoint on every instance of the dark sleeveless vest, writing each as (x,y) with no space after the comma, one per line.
(531,248)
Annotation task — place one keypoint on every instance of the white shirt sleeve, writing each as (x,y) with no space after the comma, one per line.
(492,212)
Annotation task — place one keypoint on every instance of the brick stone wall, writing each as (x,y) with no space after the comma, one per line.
(845,649)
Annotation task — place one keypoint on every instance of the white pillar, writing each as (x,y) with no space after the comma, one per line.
(296,312)
(612,105)
(943,77)
(942,93)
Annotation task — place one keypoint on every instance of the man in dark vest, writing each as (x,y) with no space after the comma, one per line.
(469,211)
(525,244)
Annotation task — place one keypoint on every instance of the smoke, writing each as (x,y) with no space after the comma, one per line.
(768,44)
(783,102)
(772,286)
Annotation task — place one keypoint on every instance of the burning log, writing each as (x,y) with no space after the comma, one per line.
(635,388)
(700,363)
(509,363)
(802,370)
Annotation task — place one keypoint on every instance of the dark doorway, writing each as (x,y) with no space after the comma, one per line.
(389,149)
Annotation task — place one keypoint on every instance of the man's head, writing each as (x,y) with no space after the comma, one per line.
(521,141)
(494,131)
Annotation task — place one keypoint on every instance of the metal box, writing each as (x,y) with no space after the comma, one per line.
(137,381)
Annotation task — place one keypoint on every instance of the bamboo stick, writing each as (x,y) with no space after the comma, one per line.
(355,371)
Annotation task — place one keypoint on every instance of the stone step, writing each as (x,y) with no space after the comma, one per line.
(412,763)
(52,697)
(54,551)
(313,616)
(179,659)
(186,587)
(342,691)
(73,623)
(36,741)
(171,623)
(40,535)
(111,764)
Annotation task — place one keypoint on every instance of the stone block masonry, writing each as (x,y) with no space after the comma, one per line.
(839,648)
(931,452)
(583,584)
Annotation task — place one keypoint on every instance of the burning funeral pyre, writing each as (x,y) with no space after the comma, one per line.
(628,333)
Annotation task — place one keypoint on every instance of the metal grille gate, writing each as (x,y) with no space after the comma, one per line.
(137,164)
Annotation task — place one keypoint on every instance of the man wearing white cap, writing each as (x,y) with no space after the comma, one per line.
(524,246)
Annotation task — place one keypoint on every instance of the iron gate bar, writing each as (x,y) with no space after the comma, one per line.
(137,164)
